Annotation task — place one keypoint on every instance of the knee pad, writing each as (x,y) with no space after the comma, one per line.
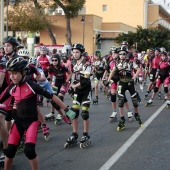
(121,100)
(61,98)
(125,100)
(30,151)
(76,111)
(56,106)
(113,97)
(85,114)
(11,150)
(134,100)
(166,89)
(156,89)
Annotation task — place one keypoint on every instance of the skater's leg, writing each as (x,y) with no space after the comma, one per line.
(8,163)
(34,163)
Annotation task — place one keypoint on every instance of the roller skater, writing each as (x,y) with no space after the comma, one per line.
(95,101)
(124,70)
(82,89)
(85,140)
(49,117)
(121,124)
(163,77)
(72,140)
(149,102)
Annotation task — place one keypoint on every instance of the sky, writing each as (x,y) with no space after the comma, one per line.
(164,3)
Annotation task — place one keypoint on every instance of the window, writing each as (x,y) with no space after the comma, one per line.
(104,8)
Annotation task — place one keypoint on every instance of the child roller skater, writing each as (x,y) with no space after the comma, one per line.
(26,119)
(126,82)
(82,87)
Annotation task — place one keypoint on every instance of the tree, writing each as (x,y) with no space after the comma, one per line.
(144,39)
(29,16)
(71,9)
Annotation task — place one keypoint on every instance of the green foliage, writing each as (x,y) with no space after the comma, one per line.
(25,17)
(146,38)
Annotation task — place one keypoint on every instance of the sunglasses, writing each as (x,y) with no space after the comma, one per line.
(122,53)
(55,60)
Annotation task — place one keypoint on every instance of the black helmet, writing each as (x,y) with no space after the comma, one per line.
(123,48)
(125,43)
(116,50)
(56,56)
(11,40)
(158,49)
(17,64)
(85,54)
(79,47)
(97,53)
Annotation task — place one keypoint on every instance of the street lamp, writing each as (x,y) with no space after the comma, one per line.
(157,21)
(83,22)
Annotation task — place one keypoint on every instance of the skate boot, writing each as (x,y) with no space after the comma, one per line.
(39,128)
(67,120)
(95,101)
(2,160)
(121,125)
(168,104)
(85,140)
(130,114)
(146,94)
(113,116)
(49,116)
(165,99)
(101,88)
(58,120)
(72,140)
(159,95)
(138,119)
(149,102)
(21,146)
(144,82)
(109,96)
(46,133)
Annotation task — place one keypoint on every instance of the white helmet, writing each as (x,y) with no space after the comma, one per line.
(23,52)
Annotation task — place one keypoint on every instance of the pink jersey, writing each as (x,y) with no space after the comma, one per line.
(155,62)
(45,61)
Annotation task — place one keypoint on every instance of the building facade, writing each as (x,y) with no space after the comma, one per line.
(108,18)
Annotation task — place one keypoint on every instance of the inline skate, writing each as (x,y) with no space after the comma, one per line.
(113,116)
(138,119)
(72,140)
(49,117)
(2,160)
(130,114)
(109,96)
(159,95)
(146,94)
(168,104)
(149,102)
(85,140)
(58,120)
(46,133)
(121,125)
(95,101)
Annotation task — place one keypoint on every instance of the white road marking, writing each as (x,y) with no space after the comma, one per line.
(115,157)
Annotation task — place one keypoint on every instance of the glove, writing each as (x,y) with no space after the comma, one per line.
(71,114)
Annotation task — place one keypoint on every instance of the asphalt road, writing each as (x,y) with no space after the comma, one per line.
(149,150)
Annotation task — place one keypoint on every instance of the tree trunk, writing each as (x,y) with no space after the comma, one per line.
(51,35)
(68,34)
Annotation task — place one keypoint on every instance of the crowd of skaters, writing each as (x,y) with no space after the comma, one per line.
(57,73)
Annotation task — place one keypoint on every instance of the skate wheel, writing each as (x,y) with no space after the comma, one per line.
(47,137)
(141,125)
(119,129)
(66,145)
(57,122)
